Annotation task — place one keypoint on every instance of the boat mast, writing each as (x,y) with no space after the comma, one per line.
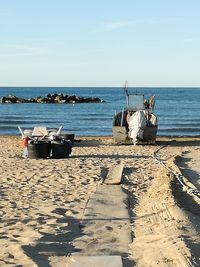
(126,87)
(126,91)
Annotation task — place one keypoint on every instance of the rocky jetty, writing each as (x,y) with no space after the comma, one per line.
(51,98)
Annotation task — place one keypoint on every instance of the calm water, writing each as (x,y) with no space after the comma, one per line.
(177,110)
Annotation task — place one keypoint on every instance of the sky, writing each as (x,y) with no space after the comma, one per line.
(100,43)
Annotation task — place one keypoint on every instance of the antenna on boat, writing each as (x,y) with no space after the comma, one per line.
(126,91)
(126,87)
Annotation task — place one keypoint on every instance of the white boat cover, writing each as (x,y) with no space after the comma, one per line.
(137,123)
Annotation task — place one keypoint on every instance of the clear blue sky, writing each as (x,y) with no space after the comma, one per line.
(99,42)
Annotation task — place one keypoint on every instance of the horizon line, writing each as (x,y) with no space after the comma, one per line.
(59,86)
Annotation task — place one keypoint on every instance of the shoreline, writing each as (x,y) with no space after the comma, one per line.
(158,138)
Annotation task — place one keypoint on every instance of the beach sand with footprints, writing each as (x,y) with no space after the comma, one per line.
(43,204)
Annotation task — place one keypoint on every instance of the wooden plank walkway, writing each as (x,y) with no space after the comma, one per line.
(106,234)
(114,175)
(87,261)
(106,220)
(107,203)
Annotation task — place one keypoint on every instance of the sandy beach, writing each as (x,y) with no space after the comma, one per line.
(42,203)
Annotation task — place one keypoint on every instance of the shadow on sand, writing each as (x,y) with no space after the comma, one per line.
(58,244)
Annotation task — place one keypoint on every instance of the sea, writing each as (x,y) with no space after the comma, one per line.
(177,110)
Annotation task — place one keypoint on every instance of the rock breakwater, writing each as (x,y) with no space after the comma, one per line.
(51,98)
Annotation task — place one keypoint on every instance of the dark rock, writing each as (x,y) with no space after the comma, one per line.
(59,98)
(51,98)
(20,100)
(31,100)
(3,99)
(8,101)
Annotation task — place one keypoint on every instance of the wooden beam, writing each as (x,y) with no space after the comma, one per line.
(114,175)
(94,261)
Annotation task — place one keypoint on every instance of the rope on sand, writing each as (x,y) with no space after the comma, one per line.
(189,190)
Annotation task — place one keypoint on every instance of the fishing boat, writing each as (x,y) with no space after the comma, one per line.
(136,123)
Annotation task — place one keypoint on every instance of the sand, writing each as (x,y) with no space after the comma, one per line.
(42,203)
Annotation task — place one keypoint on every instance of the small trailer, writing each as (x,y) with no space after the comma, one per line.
(137,123)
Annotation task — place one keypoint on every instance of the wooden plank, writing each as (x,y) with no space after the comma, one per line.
(108,203)
(94,261)
(114,175)
(106,220)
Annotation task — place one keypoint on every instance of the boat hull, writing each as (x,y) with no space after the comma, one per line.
(121,135)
